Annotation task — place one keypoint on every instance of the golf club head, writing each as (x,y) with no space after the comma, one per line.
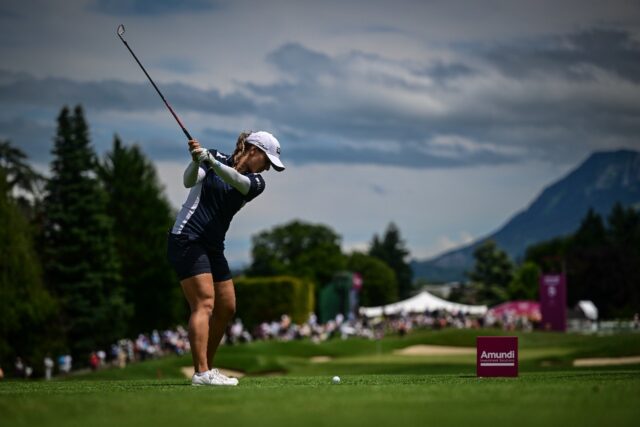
(120,30)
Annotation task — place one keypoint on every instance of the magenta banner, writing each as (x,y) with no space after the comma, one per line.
(497,356)
(553,302)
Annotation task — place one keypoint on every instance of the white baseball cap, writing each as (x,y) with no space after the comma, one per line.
(270,145)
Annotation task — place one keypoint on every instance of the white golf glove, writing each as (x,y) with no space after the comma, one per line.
(226,173)
(201,155)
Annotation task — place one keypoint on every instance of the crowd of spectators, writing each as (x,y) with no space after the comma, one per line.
(341,327)
(145,346)
(175,341)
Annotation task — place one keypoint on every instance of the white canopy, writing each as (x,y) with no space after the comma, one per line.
(589,309)
(420,303)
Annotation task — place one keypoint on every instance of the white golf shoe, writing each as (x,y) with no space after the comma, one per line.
(213,377)
(229,380)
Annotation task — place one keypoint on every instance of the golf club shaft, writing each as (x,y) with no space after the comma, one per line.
(175,116)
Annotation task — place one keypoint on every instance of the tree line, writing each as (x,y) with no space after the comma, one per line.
(83,252)
(313,252)
(601,260)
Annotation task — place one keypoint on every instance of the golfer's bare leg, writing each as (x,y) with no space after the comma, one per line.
(224,308)
(199,293)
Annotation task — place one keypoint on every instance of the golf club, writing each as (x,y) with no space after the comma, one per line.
(120,32)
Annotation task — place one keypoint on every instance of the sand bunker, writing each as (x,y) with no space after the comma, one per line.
(607,361)
(320,359)
(435,350)
(188,372)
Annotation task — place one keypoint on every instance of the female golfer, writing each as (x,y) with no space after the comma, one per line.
(220,185)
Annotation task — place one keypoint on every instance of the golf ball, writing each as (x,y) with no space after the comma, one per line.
(336,380)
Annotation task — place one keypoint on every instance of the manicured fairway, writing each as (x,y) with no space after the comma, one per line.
(287,386)
(582,398)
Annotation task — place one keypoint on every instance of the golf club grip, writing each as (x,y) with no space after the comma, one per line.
(175,116)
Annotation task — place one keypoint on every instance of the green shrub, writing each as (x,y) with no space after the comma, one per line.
(261,299)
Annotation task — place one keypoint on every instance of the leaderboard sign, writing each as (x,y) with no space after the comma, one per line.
(553,302)
(497,356)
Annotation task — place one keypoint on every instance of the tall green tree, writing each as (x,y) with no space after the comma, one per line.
(18,173)
(624,252)
(26,306)
(298,249)
(141,215)
(23,184)
(589,258)
(624,227)
(525,283)
(392,249)
(379,283)
(492,273)
(80,260)
(592,231)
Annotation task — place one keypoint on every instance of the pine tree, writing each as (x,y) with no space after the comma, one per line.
(18,173)
(525,283)
(591,233)
(80,261)
(624,228)
(23,184)
(492,273)
(142,217)
(392,250)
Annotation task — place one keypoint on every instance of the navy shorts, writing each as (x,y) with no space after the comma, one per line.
(190,258)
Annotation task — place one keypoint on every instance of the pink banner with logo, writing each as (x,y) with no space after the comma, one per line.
(553,302)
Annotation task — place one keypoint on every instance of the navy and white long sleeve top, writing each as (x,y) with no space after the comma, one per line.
(213,201)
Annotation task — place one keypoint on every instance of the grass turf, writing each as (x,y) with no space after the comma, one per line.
(378,387)
(609,397)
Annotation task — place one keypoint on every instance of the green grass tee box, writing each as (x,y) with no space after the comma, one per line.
(379,387)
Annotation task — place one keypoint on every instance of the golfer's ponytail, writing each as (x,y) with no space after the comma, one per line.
(240,147)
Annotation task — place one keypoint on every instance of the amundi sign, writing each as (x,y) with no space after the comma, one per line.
(497,356)
(505,358)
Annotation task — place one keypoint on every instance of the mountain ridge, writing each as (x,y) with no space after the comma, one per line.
(604,178)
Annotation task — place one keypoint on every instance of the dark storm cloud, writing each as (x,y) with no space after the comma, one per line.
(310,106)
(176,65)
(411,157)
(6,13)
(489,106)
(575,55)
(540,111)
(36,138)
(378,189)
(32,137)
(296,60)
(383,29)
(23,89)
(443,72)
(152,7)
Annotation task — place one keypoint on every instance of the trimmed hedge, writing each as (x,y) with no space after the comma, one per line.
(264,299)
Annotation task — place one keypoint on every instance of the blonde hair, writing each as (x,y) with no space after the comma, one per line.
(241,147)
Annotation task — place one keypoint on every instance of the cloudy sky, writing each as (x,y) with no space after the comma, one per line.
(445,117)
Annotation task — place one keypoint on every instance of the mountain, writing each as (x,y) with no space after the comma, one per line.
(599,182)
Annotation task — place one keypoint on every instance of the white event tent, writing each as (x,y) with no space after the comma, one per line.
(420,303)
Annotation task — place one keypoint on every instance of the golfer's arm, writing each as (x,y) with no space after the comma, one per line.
(230,176)
(193,174)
